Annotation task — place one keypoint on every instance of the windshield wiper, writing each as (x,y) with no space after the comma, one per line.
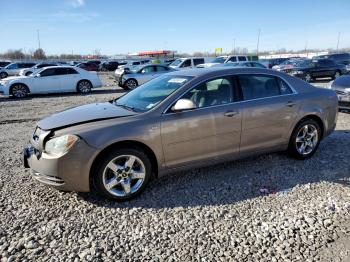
(130,108)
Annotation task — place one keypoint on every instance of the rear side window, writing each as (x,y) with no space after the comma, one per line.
(242,58)
(148,69)
(258,86)
(162,68)
(198,61)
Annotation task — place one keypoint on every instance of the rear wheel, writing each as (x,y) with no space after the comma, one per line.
(305,139)
(19,91)
(122,174)
(130,84)
(3,75)
(84,87)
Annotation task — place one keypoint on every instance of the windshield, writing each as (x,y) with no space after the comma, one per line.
(148,95)
(176,62)
(220,60)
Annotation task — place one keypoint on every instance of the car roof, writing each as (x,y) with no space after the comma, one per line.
(196,72)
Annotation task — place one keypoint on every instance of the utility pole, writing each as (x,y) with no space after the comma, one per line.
(338,42)
(234,46)
(38,33)
(257,45)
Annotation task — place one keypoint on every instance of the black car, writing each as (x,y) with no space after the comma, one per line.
(310,70)
(4,63)
(342,58)
(109,66)
(341,86)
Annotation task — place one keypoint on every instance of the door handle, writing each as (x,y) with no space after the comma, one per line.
(290,103)
(230,113)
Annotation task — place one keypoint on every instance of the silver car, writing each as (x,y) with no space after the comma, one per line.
(135,76)
(341,85)
(14,69)
(179,120)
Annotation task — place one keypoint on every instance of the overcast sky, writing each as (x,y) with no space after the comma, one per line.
(113,27)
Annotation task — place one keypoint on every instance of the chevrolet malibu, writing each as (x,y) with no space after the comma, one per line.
(53,79)
(179,120)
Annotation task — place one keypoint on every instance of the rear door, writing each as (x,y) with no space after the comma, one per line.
(269,108)
(212,130)
(69,79)
(48,82)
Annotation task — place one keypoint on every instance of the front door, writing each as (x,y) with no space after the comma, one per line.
(212,130)
(48,81)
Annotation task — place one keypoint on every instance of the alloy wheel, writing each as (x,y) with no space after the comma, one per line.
(84,87)
(124,175)
(19,91)
(307,139)
(131,84)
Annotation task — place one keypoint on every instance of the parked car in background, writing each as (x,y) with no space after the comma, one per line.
(340,58)
(185,63)
(54,79)
(179,120)
(269,63)
(131,78)
(218,61)
(96,62)
(4,63)
(341,86)
(244,64)
(133,63)
(88,66)
(108,66)
(288,64)
(310,70)
(14,69)
(29,71)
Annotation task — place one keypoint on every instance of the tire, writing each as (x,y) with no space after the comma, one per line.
(3,75)
(28,73)
(84,87)
(308,78)
(114,179)
(19,91)
(309,139)
(130,84)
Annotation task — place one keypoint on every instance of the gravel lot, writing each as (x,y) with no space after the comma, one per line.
(266,208)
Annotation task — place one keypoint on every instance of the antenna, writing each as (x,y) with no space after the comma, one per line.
(38,33)
(257,45)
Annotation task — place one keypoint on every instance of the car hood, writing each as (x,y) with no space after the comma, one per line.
(15,77)
(83,114)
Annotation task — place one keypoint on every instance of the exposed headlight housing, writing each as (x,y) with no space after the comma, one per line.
(60,145)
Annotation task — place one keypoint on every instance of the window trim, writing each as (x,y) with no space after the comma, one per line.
(294,92)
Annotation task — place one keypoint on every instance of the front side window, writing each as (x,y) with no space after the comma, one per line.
(162,68)
(49,72)
(150,94)
(233,59)
(147,69)
(242,58)
(258,86)
(214,92)
(186,63)
(11,66)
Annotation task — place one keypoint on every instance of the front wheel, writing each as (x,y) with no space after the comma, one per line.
(130,84)
(122,174)
(3,75)
(84,87)
(19,91)
(305,139)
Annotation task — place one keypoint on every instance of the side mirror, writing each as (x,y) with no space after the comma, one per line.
(183,104)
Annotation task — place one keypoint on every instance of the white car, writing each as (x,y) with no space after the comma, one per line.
(37,67)
(187,62)
(220,60)
(53,79)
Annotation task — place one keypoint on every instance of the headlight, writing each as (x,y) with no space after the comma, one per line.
(60,145)
(347,90)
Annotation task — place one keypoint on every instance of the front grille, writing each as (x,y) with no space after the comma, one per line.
(50,180)
(344,104)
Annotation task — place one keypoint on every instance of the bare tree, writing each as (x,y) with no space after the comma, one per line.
(39,54)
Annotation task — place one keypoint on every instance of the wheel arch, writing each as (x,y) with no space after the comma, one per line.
(125,144)
(317,119)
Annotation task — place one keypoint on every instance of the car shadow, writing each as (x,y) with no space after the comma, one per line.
(94,92)
(241,180)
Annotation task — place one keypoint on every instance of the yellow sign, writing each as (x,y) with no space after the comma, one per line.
(218,50)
